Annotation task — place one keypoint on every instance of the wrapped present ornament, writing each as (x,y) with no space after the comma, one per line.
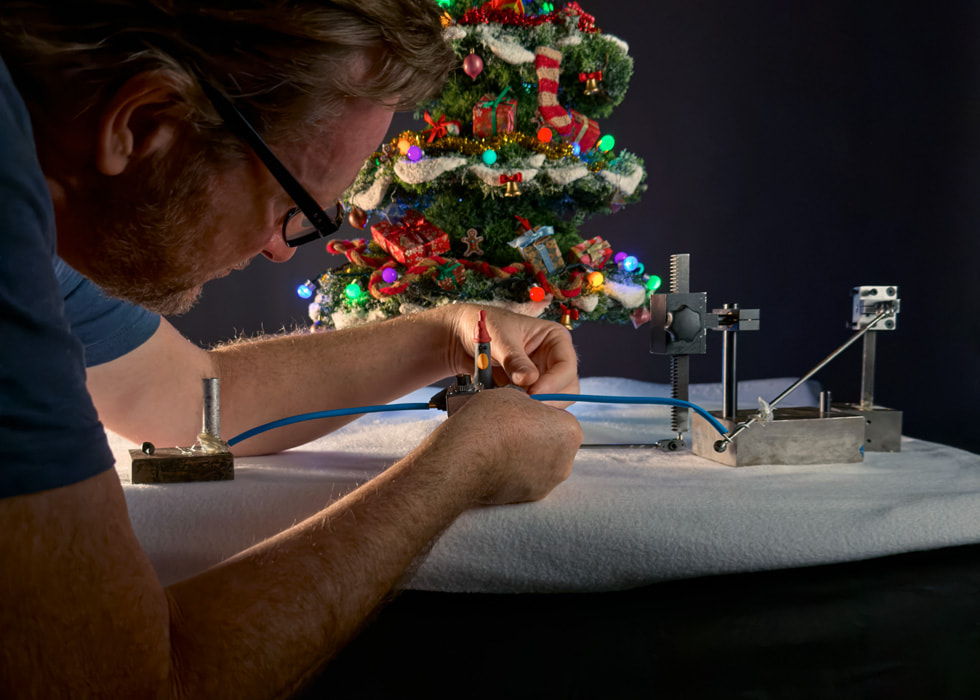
(538,247)
(494,115)
(411,239)
(440,128)
(515,6)
(450,275)
(585,131)
(594,253)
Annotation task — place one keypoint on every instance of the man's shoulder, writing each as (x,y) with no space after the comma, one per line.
(108,328)
(49,430)
(24,196)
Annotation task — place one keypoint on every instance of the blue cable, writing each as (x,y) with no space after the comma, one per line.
(587,398)
(651,400)
(328,414)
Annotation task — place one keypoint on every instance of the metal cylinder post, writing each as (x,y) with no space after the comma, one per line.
(212,407)
(868,371)
(729,379)
(825,403)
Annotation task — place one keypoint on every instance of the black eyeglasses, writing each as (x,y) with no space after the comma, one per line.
(305,222)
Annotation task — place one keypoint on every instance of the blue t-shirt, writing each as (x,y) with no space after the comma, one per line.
(51,321)
(108,328)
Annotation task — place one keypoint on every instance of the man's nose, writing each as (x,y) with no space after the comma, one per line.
(277,250)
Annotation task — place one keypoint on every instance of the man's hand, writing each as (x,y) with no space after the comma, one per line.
(504,447)
(532,353)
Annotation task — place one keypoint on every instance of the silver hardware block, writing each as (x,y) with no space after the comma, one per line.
(795,436)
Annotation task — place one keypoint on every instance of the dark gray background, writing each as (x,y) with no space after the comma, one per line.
(795,150)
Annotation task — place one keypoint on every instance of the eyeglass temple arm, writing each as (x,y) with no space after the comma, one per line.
(237,121)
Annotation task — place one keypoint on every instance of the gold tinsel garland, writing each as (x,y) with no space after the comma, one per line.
(554,150)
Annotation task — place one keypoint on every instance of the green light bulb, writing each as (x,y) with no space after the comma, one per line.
(653,284)
(353,291)
(607,142)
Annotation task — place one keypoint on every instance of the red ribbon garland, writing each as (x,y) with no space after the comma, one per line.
(583,77)
(516,177)
(586,22)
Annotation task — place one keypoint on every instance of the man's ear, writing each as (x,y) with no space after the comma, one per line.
(139,120)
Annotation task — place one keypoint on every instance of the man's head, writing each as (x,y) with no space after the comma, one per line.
(154,194)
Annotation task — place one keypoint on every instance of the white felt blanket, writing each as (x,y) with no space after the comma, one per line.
(625,518)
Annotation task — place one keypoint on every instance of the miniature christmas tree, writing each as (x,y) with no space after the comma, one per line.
(484,202)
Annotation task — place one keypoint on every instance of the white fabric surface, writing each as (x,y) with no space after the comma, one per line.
(625,518)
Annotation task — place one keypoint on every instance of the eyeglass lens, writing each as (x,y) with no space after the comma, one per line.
(297,228)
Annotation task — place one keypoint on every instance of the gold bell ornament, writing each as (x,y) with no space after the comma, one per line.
(511,182)
(591,81)
(568,317)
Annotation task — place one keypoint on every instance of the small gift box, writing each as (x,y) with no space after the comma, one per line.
(539,248)
(516,6)
(585,131)
(440,128)
(593,252)
(410,240)
(451,275)
(494,115)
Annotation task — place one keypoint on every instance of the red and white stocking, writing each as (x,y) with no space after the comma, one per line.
(547,64)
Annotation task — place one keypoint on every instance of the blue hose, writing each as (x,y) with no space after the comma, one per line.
(327,414)
(582,398)
(651,400)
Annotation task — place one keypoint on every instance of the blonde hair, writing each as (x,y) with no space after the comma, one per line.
(284,63)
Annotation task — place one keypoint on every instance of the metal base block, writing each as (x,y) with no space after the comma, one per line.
(882,429)
(795,436)
(169,465)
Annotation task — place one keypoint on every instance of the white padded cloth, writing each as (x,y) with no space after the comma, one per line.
(625,518)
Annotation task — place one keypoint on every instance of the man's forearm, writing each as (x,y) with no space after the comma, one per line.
(154,392)
(272,378)
(280,610)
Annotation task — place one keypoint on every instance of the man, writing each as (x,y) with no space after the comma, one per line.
(123,127)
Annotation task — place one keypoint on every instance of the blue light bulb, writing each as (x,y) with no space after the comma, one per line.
(305,290)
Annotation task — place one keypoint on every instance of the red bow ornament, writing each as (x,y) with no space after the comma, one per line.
(441,128)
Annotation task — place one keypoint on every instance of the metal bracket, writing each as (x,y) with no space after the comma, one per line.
(730,319)
(678,330)
(678,323)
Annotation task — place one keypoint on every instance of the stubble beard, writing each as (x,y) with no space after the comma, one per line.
(150,241)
